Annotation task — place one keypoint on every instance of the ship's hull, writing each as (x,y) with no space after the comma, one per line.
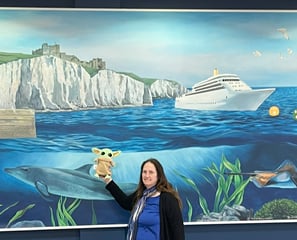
(225,101)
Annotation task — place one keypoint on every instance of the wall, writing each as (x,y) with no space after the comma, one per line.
(228,231)
(172,4)
(193,232)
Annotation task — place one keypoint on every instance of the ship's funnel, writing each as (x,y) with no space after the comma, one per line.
(215,72)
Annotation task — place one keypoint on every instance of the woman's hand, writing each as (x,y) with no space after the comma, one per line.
(107,179)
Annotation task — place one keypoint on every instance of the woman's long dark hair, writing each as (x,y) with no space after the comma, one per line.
(162,183)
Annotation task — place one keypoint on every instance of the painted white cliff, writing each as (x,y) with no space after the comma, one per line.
(123,90)
(48,83)
(166,89)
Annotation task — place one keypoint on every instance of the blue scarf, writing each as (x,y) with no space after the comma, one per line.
(132,226)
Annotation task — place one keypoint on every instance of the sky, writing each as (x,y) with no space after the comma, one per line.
(185,46)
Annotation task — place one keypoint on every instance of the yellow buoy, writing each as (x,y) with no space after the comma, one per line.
(273,111)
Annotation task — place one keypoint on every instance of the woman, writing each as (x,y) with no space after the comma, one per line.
(156,206)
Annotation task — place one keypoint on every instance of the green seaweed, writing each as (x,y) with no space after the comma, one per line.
(201,199)
(190,211)
(52,217)
(64,213)
(19,214)
(7,208)
(94,217)
(229,189)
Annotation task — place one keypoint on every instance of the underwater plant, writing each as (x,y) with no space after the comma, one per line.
(278,209)
(94,217)
(18,214)
(201,199)
(229,188)
(64,213)
(7,208)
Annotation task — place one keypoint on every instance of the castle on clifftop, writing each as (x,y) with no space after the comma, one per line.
(54,50)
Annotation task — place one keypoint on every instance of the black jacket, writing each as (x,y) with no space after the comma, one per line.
(171,221)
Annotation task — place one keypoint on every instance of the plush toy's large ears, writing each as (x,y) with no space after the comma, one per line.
(96,150)
(116,153)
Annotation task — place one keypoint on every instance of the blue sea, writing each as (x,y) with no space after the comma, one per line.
(185,141)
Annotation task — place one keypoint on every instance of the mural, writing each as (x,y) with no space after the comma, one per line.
(210,94)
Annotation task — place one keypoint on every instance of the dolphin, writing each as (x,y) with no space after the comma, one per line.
(72,183)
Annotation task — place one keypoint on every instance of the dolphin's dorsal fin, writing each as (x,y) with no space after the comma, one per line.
(42,189)
(85,168)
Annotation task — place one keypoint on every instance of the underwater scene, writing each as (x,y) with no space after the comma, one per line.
(226,165)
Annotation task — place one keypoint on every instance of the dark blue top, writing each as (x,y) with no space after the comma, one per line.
(148,227)
(171,219)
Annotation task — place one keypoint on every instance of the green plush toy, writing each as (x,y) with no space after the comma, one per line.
(104,161)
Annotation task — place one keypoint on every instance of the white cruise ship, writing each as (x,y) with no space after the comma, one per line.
(224,92)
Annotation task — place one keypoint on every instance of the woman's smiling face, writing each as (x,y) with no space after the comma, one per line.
(149,175)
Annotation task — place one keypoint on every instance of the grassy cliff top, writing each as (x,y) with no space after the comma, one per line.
(147,81)
(8,57)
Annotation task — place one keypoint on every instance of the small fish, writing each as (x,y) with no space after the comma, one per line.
(285,176)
